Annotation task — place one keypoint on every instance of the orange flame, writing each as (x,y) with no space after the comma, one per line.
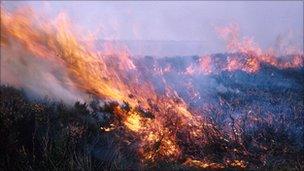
(255,55)
(105,74)
(102,73)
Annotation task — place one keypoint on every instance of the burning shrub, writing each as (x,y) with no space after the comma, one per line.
(236,110)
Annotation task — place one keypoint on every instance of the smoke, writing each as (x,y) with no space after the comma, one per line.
(231,35)
(46,57)
(162,97)
(27,47)
(39,77)
(285,44)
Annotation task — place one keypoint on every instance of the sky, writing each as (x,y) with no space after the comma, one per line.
(181,20)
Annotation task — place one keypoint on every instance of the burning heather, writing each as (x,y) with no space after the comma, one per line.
(237,110)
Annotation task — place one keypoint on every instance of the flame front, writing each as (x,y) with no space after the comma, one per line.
(105,74)
(102,73)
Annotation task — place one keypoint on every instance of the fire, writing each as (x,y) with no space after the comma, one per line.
(57,42)
(246,55)
(203,164)
(156,120)
(205,64)
(233,64)
(231,35)
(255,55)
(163,146)
(133,122)
(240,164)
(237,163)
(108,129)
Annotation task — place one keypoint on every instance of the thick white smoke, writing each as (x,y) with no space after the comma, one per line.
(39,77)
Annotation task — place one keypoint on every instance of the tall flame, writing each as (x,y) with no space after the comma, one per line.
(110,74)
(102,73)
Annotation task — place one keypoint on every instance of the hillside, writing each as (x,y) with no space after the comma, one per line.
(252,120)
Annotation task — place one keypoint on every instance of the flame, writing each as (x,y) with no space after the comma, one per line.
(231,35)
(254,54)
(240,164)
(204,66)
(106,74)
(108,129)
(57,42)
(102,73)
(133,122)
(246,55)
(203,164)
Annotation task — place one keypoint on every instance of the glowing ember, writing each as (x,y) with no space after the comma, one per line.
(202,164)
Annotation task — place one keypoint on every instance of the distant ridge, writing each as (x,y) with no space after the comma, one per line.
(162,48)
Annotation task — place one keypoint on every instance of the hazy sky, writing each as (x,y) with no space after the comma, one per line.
(182,21)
